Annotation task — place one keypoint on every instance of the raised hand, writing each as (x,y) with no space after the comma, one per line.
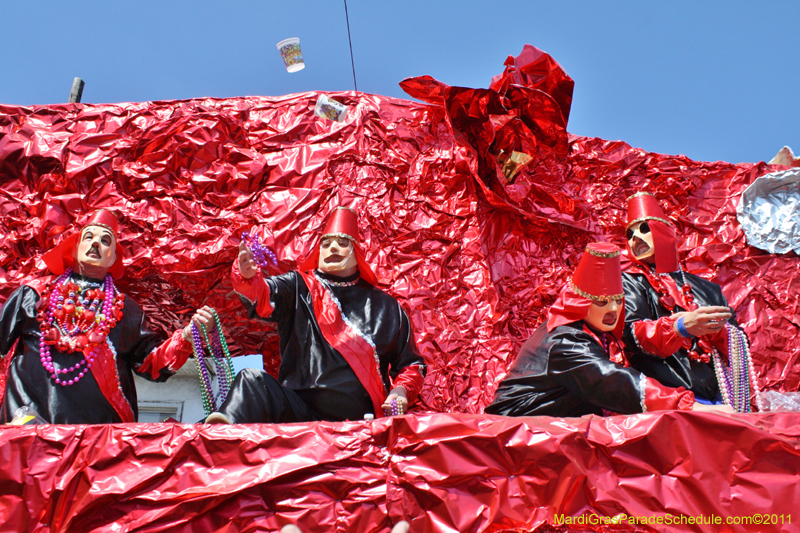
(705,320)
(247,263)
(398,393)
(203,317)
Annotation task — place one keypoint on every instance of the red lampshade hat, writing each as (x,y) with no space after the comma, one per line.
(62,256)
(342,222)
(644,206)
(598,277)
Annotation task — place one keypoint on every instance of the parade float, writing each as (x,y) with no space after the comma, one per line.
(475,205)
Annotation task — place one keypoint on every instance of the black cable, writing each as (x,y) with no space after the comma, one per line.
(352,62)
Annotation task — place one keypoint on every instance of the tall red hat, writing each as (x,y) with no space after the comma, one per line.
(342,222)
(598,277)
(62,256)
(644,206)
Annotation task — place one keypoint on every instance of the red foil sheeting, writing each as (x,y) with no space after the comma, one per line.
(474,257)
(441,472)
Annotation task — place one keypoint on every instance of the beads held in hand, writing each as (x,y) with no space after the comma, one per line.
(395,408)
(218,349)
(262,255)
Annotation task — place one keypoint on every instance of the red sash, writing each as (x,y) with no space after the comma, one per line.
(104,370)
(358,353)
(5,366)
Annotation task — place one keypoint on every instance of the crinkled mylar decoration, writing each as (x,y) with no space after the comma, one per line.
(473,240)
(475,207)
(769,212)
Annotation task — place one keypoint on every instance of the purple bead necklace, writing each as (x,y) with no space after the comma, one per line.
(395,407)
(78,337)
(218,349)
(261,254)
(736,377)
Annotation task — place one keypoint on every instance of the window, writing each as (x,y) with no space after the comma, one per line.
(150,412)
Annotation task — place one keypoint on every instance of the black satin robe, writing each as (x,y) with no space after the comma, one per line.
(29,384)
(566,373)
(678,370)
(311,367)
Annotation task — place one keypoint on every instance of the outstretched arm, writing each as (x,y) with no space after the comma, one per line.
(272,298)
(578,363)
(248,281)
(707,320)
(150,358)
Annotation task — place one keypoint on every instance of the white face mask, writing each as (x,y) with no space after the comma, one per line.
(604,315)
(97,249)
(337,256)
(640,241)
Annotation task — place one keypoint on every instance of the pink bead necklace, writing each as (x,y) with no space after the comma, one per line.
(75,320)
(737,377)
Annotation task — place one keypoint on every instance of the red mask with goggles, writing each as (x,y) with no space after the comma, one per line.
(650,234)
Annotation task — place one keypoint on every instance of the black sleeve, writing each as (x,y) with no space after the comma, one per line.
(283,293)
(407,353)
(637,308)
(20,307)
(579,364)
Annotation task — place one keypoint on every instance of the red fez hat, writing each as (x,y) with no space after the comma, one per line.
(62,256)
(597,278)
(644,206)
(342,222)
(103,218)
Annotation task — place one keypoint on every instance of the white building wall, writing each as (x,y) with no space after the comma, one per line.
(181,391)
(180,395)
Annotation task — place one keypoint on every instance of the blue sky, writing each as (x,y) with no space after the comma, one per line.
(711,80)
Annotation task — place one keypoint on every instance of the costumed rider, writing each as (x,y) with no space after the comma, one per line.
(77,340)
(573,364)
(678,326)
(346,347)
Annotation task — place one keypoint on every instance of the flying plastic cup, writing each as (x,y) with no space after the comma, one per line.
(330,109)
(291,54)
